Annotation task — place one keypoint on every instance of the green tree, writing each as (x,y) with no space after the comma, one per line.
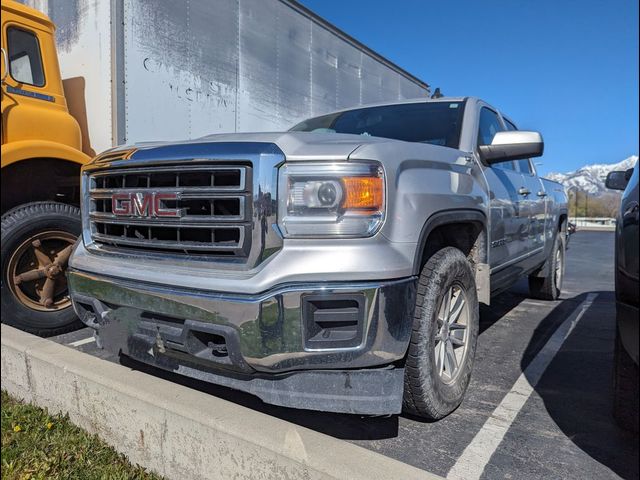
(582,204)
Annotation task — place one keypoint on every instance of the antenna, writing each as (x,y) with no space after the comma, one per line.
(437,93)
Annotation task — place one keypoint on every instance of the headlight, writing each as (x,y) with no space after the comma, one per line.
(330,199)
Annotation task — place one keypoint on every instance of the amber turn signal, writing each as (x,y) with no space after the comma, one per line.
(363,193)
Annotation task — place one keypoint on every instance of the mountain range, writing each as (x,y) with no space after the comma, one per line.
(590,178)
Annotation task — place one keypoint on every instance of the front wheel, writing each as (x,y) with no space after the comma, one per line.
(443,341)
(37,239)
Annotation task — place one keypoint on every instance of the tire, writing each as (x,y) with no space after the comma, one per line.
(549,287)
(427,391)
(625,387)
(19,225)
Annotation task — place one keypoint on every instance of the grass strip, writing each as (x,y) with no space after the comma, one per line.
(38,445)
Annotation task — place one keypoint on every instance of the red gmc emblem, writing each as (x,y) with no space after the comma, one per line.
(143,204)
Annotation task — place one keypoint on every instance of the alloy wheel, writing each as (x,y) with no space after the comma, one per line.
(451,339)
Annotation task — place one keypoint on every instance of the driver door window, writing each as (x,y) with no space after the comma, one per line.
(489,126)
(25,62)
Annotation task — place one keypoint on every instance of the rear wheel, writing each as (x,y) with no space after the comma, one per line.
(445,329)
(37,239)
(549,287)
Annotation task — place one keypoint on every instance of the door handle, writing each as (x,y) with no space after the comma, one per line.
(542,194)
(523,191)
(631,209)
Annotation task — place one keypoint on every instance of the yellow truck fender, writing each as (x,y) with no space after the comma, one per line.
(24,150)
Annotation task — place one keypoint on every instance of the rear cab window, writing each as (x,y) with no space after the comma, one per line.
(25,59)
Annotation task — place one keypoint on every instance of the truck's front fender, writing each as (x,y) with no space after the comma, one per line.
(23,150)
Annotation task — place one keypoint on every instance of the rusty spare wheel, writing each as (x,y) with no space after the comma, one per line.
(37,241)
(36,272)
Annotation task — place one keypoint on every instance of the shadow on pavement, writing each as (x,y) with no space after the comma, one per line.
(577,386)
(501,305)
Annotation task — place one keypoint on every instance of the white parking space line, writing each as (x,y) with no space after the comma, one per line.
(84,341)
(536,304)
(476,456)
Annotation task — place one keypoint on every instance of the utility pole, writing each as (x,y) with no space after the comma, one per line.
(575,202)
(586,205)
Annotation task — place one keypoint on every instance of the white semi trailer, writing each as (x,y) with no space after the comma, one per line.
(142,70)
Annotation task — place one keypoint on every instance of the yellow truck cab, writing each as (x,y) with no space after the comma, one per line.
(41,160)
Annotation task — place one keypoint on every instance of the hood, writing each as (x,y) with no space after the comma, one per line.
(294,145)
(305,145)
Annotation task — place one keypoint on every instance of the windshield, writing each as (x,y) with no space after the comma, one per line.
(437,123)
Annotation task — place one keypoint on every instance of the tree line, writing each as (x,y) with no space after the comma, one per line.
(582,204)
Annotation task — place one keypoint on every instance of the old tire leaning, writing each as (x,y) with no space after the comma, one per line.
(19,225)
(549,287)
(432,389)
(625,387)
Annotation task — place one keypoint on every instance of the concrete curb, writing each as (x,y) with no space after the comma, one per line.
(176,431)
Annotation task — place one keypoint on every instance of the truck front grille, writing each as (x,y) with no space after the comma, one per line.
(209,208)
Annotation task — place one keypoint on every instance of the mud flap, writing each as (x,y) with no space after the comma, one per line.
(483,283)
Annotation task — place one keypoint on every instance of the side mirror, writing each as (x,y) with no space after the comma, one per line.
(512,145)
(618,179)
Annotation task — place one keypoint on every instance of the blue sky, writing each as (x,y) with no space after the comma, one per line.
(566,68)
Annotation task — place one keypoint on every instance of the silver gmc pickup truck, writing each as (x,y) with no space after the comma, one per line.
(338,266)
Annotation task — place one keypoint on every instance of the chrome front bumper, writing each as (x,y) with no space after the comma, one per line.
(280,345)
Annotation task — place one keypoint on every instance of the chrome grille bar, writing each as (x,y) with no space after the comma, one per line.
(183,192)
(159,244)
(215,173)
(194,221)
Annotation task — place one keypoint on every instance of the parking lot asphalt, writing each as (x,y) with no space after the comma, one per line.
(540,400)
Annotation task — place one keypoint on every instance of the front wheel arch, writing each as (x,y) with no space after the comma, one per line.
(476,249)
(42,179)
